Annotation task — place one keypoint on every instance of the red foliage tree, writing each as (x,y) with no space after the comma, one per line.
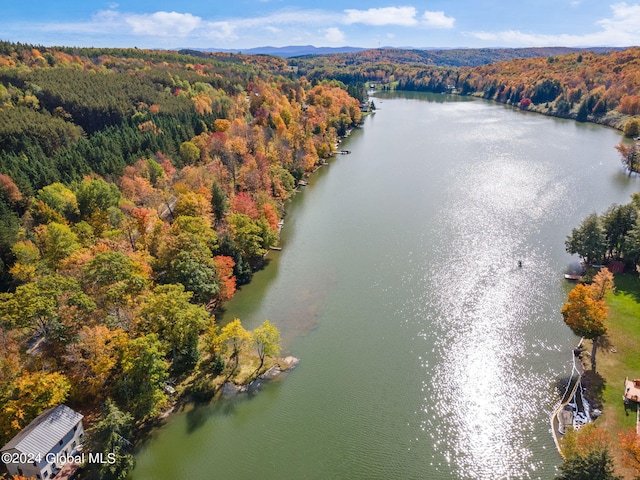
(10,189)
(243,203)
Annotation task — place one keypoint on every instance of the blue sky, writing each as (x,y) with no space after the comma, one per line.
(242,24)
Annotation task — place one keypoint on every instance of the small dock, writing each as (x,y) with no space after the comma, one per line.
(564,415)
(344,152)
(570,412)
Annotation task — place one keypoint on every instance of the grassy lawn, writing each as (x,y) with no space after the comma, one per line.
(623,336)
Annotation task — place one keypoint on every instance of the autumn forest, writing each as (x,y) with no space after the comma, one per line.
(139,189)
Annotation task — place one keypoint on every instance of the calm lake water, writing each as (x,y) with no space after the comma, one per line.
(426,353)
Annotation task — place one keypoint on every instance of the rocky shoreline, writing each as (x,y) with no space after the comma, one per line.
(612,118)
(276,372)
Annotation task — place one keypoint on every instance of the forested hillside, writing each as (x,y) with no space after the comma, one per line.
(586,86)
(137,190)
(453,57)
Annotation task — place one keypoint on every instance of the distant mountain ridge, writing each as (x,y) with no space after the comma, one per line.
(453,57)
(475,57)
(288,51)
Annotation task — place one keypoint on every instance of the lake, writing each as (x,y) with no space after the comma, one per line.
(425,351)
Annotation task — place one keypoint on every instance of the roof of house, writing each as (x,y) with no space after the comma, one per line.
(45,431)
(632,390)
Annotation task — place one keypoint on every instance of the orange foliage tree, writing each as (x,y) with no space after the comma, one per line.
(224,271)
(630,445)
(585,315)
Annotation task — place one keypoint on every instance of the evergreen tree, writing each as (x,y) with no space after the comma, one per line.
(219,202)
(111,437)
(588,240)
(596,465)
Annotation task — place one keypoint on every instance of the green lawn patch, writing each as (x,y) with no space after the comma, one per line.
(619,357)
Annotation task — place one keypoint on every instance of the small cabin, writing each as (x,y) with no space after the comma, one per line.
(43,448)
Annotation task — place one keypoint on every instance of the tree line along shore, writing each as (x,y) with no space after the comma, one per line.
(139,189)
(604,309)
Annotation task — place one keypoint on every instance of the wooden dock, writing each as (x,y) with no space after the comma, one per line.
(559,416)
(559,419)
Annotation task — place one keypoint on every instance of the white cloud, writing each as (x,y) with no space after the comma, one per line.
(164,24)
(437,20)
(158,24)
(403,16)
(334,35)
(105,21)
(286,17)
(621,30)
(220,31)
(113,26)
(626,19)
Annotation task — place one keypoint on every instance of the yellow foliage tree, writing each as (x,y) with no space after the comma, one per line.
(29,395)
(235,334)
(92,359)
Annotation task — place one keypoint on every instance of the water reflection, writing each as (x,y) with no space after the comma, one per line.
(435,353)
(484,306)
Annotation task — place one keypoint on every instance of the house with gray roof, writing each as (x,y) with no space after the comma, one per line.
(44,446)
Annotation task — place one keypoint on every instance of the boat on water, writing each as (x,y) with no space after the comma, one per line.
(574,412)
(565,419)
(573,278)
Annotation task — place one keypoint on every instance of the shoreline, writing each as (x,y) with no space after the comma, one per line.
(293,212)
(275,372)
(324,162)
(252,384)
(611,119)
(567,397)
(617,359)
(278,368)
